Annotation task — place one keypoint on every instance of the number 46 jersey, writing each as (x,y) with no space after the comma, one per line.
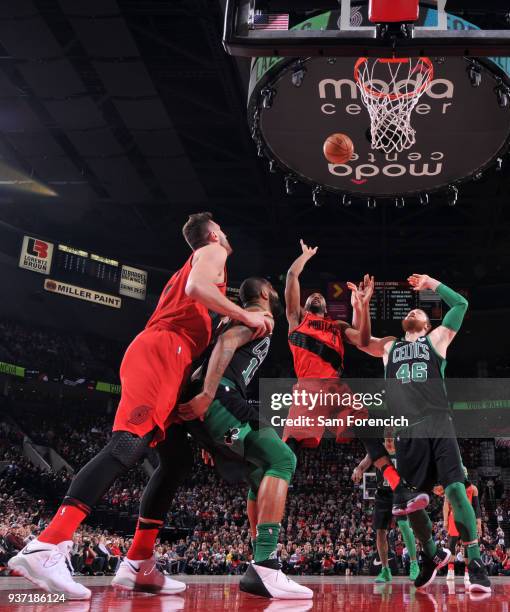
(415,375)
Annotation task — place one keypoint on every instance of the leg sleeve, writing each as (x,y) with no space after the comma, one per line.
(123,451)
(175,463)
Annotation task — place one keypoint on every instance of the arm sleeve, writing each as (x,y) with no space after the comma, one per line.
(476,507)
(458,307)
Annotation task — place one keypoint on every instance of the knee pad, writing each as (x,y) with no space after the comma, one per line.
(283,464)
(127,448)
(291,460)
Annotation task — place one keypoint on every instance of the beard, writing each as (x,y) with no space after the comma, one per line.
(275,306)
(226,245)
(413,325)
(316,309)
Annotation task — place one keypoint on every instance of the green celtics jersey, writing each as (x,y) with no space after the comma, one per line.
(415,373)
(246,361)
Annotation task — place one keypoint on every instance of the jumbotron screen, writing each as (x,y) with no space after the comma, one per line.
(391,301)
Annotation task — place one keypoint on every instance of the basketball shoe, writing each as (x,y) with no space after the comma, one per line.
(47,566)
(430,567)
(407,500)
(478,579)
(414,570)
(145,576)
(384,575)
(266,579)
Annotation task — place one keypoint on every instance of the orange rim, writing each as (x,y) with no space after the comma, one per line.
(423,65)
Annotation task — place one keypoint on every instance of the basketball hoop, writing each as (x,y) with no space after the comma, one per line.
(390,101)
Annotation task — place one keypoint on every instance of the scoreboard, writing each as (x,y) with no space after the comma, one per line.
(392,300)
(80,267)
(82,274)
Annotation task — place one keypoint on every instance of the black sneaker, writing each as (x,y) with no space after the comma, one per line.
(266,579)
(407,500)
(430,567)
(479,581)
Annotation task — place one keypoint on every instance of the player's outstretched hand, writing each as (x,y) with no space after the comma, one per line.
(357,475)
(362,294)
(308,251)
(260,321)
(355,294)
(419,282)
(195,408)
(368,288)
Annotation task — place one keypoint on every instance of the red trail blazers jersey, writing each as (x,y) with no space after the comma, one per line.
(317,348)
(180,313)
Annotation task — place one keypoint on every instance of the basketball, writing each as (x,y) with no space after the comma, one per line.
(338,148)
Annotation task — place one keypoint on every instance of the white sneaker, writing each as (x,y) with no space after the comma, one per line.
(145,576)
(45,565)
(450,575)
(267,580)
(467,582)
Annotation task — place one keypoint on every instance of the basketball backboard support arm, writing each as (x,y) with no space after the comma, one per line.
(238,39)
(345,18)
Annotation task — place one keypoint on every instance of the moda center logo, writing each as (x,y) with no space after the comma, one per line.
(36,255)
(416,164)
(460,129)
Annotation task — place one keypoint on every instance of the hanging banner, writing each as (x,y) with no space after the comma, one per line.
(133,282)
(81,293)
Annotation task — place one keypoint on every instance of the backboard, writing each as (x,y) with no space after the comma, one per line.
(461,122)
(249,31)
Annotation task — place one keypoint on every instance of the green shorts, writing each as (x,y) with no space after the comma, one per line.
(241,450)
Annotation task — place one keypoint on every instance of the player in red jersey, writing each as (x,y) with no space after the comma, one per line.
(152,373)
(451,527)
(317,346)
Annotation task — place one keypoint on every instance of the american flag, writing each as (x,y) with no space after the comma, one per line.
(270,21)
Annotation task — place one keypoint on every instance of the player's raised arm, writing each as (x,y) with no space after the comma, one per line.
(361,468)
(208,269)
(360,333)
(292,287)
(378,347)
(442,336)
(226,345)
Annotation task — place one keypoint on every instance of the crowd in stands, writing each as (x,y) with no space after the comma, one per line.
(55,353)
(327,527)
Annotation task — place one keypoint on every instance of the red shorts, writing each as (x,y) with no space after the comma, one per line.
(152,373)
(307,428)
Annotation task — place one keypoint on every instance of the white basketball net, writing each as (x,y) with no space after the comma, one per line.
(390,90)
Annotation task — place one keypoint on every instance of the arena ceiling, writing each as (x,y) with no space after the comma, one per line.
(133,115)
